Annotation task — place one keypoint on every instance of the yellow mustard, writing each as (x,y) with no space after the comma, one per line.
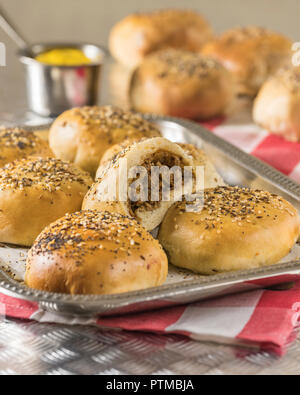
(64,57)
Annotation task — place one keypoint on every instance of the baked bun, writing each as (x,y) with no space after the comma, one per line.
(212,178)
(138,35)
(277,106)
(34,193)
(17,143)
(181,84)
(252,54)
(90,252)
(111,154)
(237,229)
(145,154)
(82,135)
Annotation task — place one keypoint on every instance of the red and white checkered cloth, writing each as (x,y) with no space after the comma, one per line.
(272,149)
(261,318)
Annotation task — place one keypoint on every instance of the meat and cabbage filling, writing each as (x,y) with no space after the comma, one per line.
(158,159)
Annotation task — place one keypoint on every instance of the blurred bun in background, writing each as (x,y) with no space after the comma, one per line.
(251,53)
(138,35)
(277,106)
(182,84)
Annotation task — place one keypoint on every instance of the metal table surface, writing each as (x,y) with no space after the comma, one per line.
(35,348)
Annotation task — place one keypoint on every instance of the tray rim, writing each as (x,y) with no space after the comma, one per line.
(20,291)
(10,287)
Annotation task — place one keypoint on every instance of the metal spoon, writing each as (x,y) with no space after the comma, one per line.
(11,31)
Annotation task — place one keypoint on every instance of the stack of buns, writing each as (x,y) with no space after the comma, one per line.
(178,67)
(85,241)
(252,54)
(138,35)
(35,188)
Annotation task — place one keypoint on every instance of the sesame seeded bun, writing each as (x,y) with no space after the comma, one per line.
(237,229)
(110,155)
(277,105)
(91,252)
(20,144)
(212,178)
(251,53)
(34,193)
(82,135)
(181,84)
(152,152)
(138,35)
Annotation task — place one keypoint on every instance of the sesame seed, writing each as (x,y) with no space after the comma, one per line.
(48,174)
(79,234)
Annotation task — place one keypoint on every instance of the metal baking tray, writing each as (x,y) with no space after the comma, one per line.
(237,168)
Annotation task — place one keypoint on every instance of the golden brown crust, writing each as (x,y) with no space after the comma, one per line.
(251,53)
(110,155)
(277,106)
(91,252)
(138,35)
(82,135)
(34,193)
(237,229)
(183,84)
(18,143)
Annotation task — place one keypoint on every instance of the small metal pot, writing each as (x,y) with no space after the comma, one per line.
(52,90)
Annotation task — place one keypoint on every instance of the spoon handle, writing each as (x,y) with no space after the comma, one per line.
(11,31)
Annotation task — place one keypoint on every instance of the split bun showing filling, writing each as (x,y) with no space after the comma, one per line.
(145,200)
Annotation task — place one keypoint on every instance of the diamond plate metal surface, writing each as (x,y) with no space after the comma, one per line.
(30,348)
